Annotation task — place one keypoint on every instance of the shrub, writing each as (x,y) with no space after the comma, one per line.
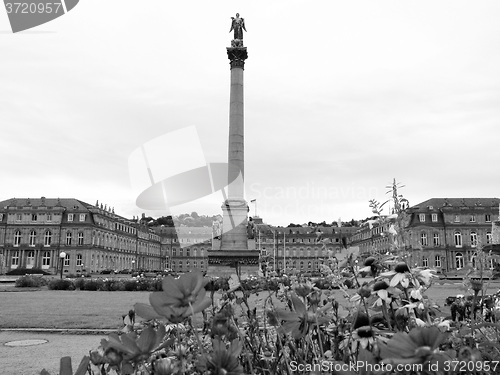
(111,285)
(30,282)
(25,271)
(130,285)
(61,284)
(79,284)
(92,285)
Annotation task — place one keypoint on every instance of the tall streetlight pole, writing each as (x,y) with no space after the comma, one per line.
(62,256)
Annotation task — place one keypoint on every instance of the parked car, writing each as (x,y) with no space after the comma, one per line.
(125,271)
(107,272)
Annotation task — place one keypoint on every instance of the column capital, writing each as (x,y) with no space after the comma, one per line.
(237,56)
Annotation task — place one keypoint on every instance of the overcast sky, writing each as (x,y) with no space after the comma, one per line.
(340,98)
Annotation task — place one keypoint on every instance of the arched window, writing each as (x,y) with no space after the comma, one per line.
(458,239)
(425,262)
(80,238)
(79,260)
(17,238)
(66,260)
(459,260)
(436,239)
(15,259)
(32,238)
(473,260)
(68,238)
(47,238)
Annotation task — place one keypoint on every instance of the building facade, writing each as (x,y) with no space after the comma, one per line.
(34,233)
(441,233)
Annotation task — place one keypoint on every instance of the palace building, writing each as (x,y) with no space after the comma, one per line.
(442,233)
(34,233)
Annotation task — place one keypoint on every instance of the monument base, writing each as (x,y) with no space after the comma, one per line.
(224,263)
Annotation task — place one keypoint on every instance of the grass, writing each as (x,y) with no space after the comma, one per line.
(103,310)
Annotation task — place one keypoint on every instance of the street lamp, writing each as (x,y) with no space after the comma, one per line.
(62,255)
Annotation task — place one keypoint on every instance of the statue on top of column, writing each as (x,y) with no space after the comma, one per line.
(238,25)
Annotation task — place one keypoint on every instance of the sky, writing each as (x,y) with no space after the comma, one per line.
(341,97)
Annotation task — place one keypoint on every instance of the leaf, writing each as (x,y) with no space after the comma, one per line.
(84,364)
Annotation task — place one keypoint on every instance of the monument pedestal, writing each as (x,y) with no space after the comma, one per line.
(224,263)
(234,225)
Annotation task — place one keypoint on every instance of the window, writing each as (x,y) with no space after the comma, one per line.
(421,217)
(47,238)
(459,260)
(473,239)
(423,239)
(188,252)
(15,258)
(66,260)
(17,238)
(30,259)
(68,238)
(472,218)
(34,217)
(458,239)
(434,218)
(79,260)
(32,238)
(437,261)
(425,262)
(80,239)
(174,252)
(487,218)
(435,238)
(457,219)
(82,217)
(473,260)
(49,217)
(70,217)
(19,217)
(488,237)
(195,264)
(46,258)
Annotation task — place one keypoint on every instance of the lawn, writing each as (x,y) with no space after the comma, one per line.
(103,310)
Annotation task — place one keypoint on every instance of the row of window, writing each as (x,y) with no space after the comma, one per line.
(472,218)
(459,261)
(47,238)
(457,237)
(46,256)
(48,217)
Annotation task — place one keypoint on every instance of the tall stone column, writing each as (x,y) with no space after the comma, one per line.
(235,208)
(234,253)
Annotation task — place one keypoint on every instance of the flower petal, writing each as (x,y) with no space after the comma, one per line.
(146,311)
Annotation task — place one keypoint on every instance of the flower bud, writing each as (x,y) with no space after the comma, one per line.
(364,291)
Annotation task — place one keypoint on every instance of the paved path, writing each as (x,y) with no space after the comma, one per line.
(30,360)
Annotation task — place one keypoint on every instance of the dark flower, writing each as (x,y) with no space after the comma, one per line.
(361,320)
(364,291)
(380,285)
(369,261)
(401,267)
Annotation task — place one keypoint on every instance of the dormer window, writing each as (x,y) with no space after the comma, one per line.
(71,217)
(434,218)
(421,217)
